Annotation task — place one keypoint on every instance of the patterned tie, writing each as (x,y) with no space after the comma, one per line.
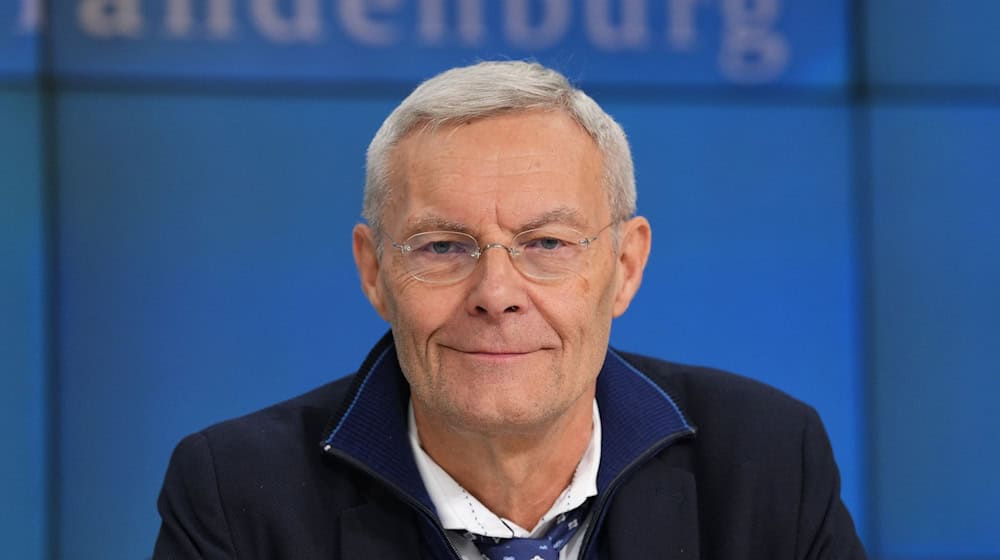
(545,548)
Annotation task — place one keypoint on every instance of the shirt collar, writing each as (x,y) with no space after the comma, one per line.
(459,510)
(368,429)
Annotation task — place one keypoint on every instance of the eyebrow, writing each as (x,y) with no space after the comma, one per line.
(435,223)
(561,215)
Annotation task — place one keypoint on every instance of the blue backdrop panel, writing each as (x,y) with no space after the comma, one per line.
(933,42)
(23,423)
(753,267)
(19,23)
(936,271)
(206,272)
(675,42)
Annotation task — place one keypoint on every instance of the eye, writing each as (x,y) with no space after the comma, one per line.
(547,243)
(440,247)
(431,246)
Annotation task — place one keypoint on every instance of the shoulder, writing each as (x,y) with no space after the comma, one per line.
(296,422)
(243,451)
(259,462)
(761,461)
(265,469)
(725,407)
(693,385)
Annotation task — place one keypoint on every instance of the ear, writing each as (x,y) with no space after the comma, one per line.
(366,259)
(633,252)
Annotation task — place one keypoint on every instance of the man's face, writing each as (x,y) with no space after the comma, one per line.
(500,351)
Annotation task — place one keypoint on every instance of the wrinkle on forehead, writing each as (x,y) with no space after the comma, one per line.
(496,163)
(562,215)
(499,145)
(505,176)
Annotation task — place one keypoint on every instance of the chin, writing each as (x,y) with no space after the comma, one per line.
(512,415)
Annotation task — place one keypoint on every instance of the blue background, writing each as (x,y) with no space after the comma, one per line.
(175,218)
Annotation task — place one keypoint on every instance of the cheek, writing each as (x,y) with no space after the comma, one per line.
(590,309)
(608,281)
(418,310)
(568,309)
(400,291)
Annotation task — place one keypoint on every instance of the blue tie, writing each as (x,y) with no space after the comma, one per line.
(545,548)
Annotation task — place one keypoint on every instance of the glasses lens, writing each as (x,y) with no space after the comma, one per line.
(440,256)
(550,252)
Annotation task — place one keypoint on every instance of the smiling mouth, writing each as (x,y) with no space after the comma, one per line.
(491,353)
(499,354)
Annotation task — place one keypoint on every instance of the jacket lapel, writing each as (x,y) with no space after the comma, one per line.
(654,515)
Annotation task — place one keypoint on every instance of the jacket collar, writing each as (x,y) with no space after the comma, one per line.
(637,417)
(370,431)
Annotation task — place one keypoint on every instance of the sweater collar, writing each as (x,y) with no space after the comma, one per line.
(370,429)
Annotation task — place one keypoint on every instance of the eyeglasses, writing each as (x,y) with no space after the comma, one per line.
(546,253)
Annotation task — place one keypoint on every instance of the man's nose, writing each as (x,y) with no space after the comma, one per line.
(498,288)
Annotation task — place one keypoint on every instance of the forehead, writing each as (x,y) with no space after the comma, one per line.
(506,169)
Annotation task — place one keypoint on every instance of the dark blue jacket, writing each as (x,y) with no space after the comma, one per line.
(330,474)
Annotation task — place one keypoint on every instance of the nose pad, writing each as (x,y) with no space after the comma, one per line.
(481,254)
(510,253)
(488,246)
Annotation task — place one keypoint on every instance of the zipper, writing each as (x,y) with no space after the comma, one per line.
(601,505)
(399,492)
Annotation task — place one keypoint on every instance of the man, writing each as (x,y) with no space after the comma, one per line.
(494,421)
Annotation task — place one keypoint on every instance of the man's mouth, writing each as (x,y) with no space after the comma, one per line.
(498,352)
(492,352)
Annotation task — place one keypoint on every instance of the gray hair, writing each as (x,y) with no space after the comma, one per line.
(488,89)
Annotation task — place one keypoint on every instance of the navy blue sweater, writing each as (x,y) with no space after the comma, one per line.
(330,474)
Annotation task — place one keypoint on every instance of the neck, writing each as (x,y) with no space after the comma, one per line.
(518,474)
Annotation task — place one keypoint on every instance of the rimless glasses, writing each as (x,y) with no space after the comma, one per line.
(546,253)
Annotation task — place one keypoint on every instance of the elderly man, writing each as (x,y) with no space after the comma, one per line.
(494,421)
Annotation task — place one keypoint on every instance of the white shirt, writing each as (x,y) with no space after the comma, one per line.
(460,511)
